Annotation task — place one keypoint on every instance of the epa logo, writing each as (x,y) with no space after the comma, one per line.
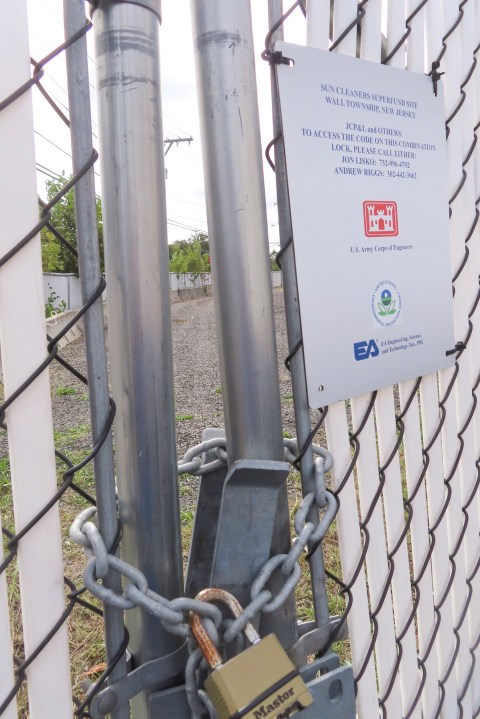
(364,350)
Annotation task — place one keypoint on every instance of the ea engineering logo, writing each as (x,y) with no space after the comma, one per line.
(364,350)
(386,303)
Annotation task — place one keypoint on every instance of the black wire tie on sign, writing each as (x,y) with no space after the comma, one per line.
(276,57)
(459,347)
(436,76)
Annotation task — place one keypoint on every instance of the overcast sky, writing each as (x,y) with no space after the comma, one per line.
(185,190)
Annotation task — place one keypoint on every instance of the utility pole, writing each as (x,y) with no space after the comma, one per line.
(175,141)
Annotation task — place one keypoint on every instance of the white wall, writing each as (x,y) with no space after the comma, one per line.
(67,286)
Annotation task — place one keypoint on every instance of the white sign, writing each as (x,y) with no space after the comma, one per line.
(367,177)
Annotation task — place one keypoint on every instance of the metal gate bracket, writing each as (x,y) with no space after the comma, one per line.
(204,533)
(332,688)
(333,694)
(315,639)
(161,673)
(245,524)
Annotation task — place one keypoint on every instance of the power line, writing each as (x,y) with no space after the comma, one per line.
(174,123)
(195,164)
(48,47)
(182,226)
(57,147)
(192,219)
(49,173)
(178,199)
(55,176)
(53,144)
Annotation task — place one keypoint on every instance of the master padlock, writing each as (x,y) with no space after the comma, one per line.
(259,682)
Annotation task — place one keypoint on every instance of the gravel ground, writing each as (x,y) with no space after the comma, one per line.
(198,399)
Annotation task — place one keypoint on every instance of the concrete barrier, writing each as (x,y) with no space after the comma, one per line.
(192,294)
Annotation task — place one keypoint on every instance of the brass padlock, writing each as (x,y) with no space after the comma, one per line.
(259,682)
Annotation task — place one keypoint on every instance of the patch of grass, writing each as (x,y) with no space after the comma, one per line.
(4,472)
(184,417)
(287,398)
(67,438)
(186,516)
(218,390)
(72,433)
(6,501)
(61,391)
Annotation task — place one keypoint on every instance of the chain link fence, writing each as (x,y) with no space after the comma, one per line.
(406,459)
(69,471)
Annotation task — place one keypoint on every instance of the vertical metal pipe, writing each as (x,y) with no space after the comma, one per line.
(133,182)
(294,330)
(238,236)
(90,277)
(238,228)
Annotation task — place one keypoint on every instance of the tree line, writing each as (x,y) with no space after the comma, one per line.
(191,255)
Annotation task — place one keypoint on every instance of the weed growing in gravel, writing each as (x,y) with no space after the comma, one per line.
(61,391)
(184,417)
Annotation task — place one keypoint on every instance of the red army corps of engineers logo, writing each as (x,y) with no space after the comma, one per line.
(380,219)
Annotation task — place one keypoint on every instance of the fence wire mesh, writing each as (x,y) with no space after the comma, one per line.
(71,471)
(406,458)
(407,469)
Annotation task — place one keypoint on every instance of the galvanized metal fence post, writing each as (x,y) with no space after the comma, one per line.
(294,332)
(238,228)
(239,244)
(133,181)
(91,280)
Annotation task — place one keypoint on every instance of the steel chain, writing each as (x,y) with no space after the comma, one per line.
(173,613)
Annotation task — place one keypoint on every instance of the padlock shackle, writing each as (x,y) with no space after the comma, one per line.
(209,650)
(213,594)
